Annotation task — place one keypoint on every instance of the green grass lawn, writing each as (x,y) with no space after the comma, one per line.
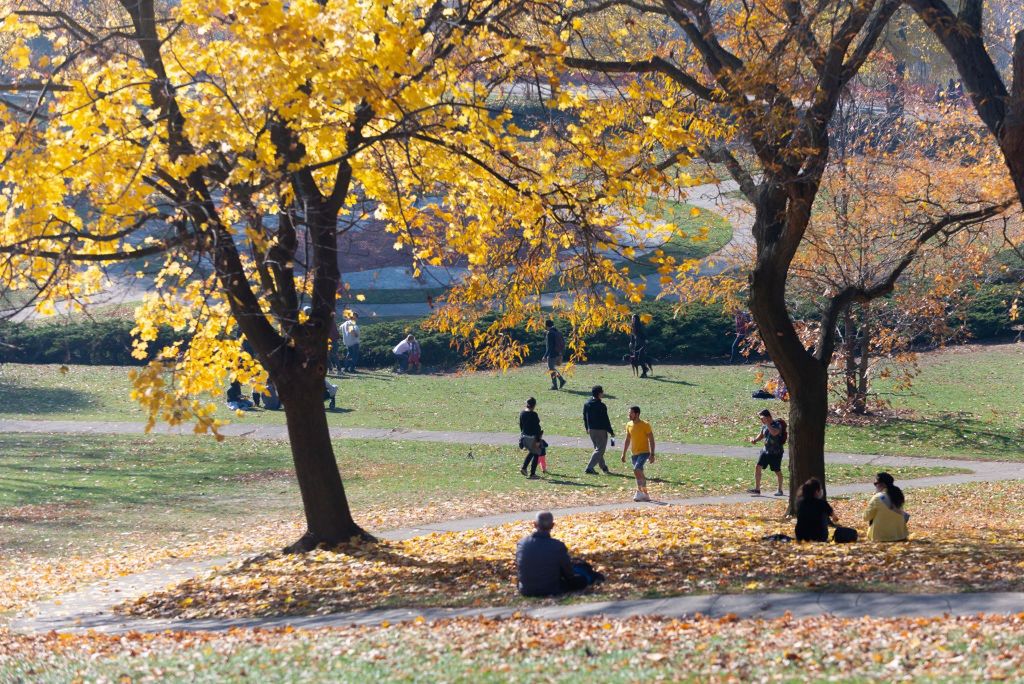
(966,402)
(718,235)
(82,490)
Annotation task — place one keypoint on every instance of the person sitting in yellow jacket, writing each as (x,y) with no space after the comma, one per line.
(885,517)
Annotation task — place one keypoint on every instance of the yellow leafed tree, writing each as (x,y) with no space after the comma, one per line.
(227,139)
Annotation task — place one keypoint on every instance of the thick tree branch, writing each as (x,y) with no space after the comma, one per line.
(651,65)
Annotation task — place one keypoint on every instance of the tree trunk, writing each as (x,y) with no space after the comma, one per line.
(850,361)
(861,403)
(328,519)
(805,376)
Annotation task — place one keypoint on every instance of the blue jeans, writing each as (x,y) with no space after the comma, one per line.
(403,361)
(353,358)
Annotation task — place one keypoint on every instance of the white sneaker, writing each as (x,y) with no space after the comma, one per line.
(640,496)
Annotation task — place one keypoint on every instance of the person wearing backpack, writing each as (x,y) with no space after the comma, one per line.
(774,434)
(554,347)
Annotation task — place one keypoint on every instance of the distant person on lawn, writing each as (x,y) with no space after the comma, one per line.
(813,513)
(640,437)
(773,433)
(350,338)
(415,355)
(530,433)
(543,564)
(554,347)
(599,427)
(887,522)
(402,351)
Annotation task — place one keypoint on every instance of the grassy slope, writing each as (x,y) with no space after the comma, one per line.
(966,402)
(84,490)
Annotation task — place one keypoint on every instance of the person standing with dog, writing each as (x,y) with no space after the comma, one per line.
(773,432)
(638,346)
(599,427)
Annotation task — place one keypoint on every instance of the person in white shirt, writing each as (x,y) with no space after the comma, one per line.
(350,338)
(402,351)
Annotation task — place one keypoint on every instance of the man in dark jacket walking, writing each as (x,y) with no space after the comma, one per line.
(599,427)
(554,347)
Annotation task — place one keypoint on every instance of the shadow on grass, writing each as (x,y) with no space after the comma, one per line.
(571,483)
(655,378)
(954,431)
(41,400)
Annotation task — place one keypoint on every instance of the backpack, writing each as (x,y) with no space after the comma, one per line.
(844,535)
(559,342)
(784,435)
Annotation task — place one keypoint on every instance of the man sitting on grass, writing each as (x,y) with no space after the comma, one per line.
(543,563)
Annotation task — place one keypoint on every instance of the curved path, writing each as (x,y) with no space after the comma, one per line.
(91,608)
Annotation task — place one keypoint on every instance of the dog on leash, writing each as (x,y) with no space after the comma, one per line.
(641,367)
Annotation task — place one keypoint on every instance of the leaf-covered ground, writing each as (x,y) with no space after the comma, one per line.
(518,649)
(75,509)
(964,538)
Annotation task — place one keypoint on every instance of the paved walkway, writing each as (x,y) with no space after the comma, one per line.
(91,608)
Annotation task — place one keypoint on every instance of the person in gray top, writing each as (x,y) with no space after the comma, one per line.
(543,564)
(599,427)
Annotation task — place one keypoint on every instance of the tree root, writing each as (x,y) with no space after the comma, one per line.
(310,541)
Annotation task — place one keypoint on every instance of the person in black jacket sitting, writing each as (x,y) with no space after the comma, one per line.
(813,513)
(530,434)
(597,425)
(543,564)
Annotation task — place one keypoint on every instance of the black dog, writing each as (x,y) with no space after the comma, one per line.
(639,363)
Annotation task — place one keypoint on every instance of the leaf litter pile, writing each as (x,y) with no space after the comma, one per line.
(964,538)
(518,649)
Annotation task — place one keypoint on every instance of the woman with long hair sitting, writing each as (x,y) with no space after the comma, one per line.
(885,517)
(813,513)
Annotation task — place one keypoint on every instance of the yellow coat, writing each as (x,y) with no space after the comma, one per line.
(884,524)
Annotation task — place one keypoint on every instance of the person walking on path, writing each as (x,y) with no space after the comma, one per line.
(599,427)
(543,566)
(350,338)
(530,431)
(773,432)
(640,437)
(554,347)
(884,515)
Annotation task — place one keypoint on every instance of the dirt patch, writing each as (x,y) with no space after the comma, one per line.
(261,476)
(878,416)
(39,513)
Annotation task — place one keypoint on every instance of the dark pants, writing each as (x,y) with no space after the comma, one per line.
(575,583)
(532,453)
(352,359)
(403,361)
(736,346)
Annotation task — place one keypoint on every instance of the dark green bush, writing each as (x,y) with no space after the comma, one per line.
(698,333)
(988,313)
(106,342)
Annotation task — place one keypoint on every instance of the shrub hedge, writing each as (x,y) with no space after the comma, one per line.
(699,333)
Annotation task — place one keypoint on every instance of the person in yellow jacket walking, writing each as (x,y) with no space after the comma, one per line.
(887,522)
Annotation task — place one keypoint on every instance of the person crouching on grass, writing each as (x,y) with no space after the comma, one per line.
(640,437)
